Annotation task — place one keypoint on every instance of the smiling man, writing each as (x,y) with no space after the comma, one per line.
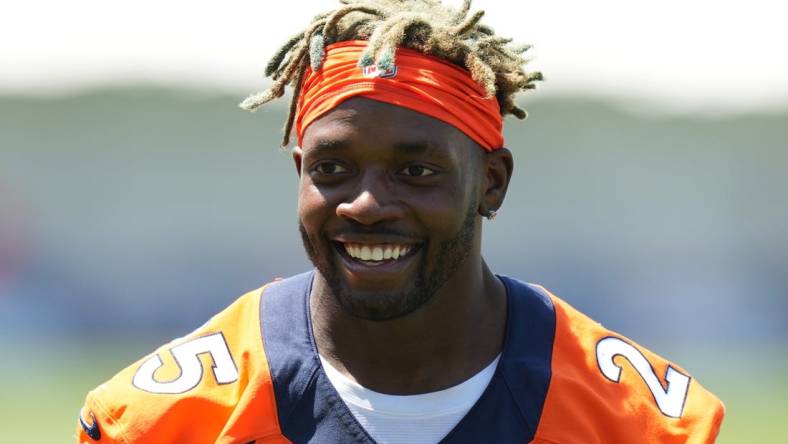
(401,334)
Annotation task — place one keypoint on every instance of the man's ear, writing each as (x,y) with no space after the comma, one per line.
(297,157)
(497,167)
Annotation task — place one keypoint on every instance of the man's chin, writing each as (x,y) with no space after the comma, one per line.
(380,306)
(373,288)
(377,300)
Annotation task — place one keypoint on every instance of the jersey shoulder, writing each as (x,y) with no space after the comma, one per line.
(605,388)
(212,385)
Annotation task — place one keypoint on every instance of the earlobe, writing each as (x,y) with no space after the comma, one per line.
(297,158)
(498,167)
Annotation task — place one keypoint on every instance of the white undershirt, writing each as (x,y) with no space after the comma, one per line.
(411,419)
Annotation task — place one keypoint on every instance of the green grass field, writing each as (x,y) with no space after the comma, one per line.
(43,390)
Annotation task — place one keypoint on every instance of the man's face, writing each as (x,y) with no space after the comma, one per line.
(387,205)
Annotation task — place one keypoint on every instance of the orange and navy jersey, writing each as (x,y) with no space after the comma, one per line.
(607,389)
(212,385)
(251,374)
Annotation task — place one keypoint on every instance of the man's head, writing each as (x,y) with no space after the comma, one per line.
(390,203)
(398,108)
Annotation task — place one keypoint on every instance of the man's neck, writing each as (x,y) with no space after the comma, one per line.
(448,340)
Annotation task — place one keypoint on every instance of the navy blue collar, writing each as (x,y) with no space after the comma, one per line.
(310,409)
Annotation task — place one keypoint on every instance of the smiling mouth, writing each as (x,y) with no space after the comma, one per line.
(373,255)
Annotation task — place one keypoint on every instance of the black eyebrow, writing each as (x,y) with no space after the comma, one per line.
(329,145)
(424,148)
(413,147)
(409,147)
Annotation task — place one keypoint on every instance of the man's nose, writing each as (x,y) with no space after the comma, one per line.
(372,203)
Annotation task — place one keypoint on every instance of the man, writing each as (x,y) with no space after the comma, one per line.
(401,334)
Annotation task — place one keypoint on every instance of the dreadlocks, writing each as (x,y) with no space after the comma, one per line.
(423,25)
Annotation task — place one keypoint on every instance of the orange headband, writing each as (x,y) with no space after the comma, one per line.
(419,82)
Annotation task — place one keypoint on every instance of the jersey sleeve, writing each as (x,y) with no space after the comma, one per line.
(212,385)
(608,389)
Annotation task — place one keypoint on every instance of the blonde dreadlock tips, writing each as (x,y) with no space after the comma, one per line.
(453,34)
(317,51)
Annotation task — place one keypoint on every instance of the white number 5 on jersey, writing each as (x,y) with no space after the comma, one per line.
(186,356)
(670,400)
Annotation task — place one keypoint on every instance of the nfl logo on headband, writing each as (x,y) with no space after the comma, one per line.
(374,71)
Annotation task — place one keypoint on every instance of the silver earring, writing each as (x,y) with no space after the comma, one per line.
(491,214)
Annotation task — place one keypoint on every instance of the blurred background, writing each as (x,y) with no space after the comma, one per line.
(136,199)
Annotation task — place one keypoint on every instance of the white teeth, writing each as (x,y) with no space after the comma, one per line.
(376,253)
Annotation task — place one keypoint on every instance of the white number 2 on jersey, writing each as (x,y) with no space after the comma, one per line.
(186,356)
(670,400)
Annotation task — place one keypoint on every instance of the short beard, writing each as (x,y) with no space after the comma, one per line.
(387,306)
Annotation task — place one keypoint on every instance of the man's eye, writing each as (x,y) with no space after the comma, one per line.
(330,168)
(417,171)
